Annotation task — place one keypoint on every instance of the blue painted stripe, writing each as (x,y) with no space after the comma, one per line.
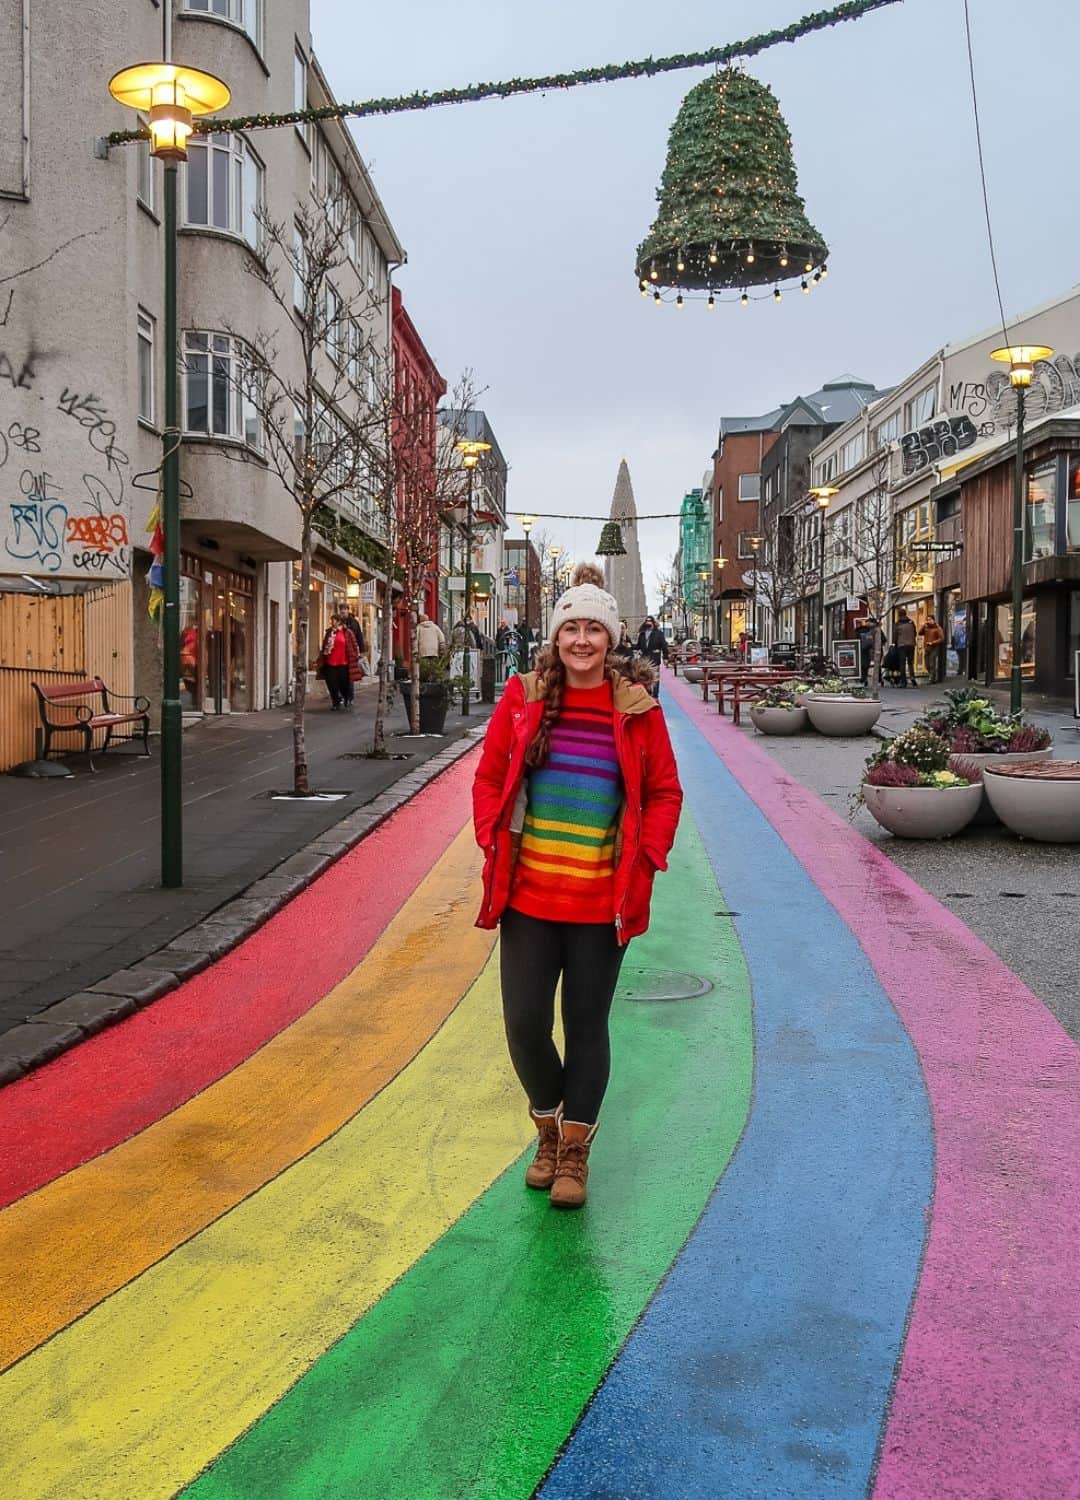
(763,1365)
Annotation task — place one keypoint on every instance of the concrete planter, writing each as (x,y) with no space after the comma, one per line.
(1046,808)
(986,814)
(778,720)
(833,713)
(923,812)
(693,674)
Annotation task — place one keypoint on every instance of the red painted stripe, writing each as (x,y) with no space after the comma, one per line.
(120,1081)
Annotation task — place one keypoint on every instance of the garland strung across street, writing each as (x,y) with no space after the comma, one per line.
(647,67)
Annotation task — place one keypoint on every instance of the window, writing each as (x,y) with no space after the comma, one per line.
(299,82)
(145,180)
(224,186)
(749,486)
(146,365)
(336,330)
(1072,650)
(885,432)
(218,388)
(913,526)
(1040,512)
(920,409)
(1072,513)
(1003,653)
(356,235)
(242,13)
(749,544)
(355,354)
(853,452)
(825,471)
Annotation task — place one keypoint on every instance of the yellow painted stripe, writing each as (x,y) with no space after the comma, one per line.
(84,1235)
(554,826)
(133,1400)
(596,852)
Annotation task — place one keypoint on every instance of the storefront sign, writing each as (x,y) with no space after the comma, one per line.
(367,591)
(838,587)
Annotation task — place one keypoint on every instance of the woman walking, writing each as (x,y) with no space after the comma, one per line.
(340,661)
(575,803)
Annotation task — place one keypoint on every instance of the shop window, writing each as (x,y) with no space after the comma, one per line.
(1073,647)
(1003,640)
(1072,513)
(1040,512)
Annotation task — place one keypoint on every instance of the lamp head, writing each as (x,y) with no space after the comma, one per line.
(171,96)
(823,493)
(526,523)
(1021,359)
(471,451)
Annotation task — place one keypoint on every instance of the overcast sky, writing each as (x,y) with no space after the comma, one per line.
(521,217)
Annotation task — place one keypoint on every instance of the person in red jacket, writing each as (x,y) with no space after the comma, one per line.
(339,661)
(575,803)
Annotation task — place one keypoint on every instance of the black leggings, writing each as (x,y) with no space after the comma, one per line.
(532,955)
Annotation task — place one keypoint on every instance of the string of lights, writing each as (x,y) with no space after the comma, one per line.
(678,297)
(646,67)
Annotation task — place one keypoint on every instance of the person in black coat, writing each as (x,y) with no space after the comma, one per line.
(652,645)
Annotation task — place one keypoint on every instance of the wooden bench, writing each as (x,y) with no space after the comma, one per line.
(53,700)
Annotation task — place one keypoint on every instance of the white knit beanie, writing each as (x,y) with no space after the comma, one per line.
(586,599)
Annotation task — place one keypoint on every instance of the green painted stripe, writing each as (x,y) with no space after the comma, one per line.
(471,1371)
(554,836)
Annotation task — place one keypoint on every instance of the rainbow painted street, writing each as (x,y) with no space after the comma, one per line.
(268,1237)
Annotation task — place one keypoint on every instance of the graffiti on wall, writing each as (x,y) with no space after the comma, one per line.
(984,408)
(62,479)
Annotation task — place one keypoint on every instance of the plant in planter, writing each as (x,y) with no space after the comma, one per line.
(436,686)
(776,710)
(1038,800)
(975,729)
(840,707)
(914,788)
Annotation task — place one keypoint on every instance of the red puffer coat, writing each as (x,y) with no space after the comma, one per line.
(652,797)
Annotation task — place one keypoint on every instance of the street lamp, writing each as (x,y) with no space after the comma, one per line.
(554,553)
(822,493)
(719,563)
(754,543)
(171,96)
(1021,359)
(526,523)
(470,451)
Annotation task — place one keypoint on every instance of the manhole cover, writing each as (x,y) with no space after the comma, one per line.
(660,984)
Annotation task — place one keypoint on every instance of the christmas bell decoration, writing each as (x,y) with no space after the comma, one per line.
(611,542)
(730,213)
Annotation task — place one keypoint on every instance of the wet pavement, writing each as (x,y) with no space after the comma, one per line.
(275,1241)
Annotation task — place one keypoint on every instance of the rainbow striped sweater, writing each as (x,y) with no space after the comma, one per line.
(566,868)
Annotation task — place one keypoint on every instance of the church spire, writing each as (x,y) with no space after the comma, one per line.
(623,574)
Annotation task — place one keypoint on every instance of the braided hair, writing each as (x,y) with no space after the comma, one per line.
(551,676)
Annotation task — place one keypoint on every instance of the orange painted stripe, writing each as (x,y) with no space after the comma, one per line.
(82,1236)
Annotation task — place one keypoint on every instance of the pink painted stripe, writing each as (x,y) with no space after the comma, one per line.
(988,1391)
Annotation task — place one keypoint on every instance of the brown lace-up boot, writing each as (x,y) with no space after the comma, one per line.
(541,1170)
(572,1164)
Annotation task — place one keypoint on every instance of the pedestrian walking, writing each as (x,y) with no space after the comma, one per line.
(933,638)
(868,633)
(575,804)
(430,640)
(623,650)
(652,645)
(904,641)
(338,662)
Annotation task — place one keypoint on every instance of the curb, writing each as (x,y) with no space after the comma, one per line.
(71,1020)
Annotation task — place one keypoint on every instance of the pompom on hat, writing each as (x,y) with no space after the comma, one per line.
(586,599)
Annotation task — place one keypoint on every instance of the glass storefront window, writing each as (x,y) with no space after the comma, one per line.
(1039,513)
(1003,640)
(1073,647)
(1072,514)
(189,645)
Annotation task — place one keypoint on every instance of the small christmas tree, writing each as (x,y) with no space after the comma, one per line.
(730,212)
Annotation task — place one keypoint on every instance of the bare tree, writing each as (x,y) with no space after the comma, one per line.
(313,403)
(882,569)
(790,558)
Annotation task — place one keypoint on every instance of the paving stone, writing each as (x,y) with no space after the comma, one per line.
(180,962)
(141,982)
(31,1044)
(305,864)
(89,1012)
(246,911)
(213,939)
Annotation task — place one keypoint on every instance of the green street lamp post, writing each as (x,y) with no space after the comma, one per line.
(1021,359)
(525,649)
(822,493)
(170,96)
